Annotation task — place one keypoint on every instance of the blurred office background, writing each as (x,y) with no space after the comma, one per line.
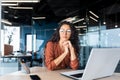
(27,26)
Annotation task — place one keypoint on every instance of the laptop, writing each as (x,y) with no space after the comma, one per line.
(102,62)
(24,66)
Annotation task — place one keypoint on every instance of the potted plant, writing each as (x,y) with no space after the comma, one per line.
(9,32)
(10,38)
(8,48)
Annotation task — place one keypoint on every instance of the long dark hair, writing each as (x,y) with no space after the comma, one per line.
(74,36)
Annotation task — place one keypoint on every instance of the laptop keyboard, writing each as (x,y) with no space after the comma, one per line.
(79,75)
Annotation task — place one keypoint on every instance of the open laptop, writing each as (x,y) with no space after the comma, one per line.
(102,62)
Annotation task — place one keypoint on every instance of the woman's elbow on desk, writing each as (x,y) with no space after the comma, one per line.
(74,64)
(51,66)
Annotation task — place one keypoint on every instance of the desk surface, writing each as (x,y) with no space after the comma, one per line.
(17,56)
(45,74)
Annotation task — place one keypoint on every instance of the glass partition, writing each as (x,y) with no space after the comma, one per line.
(110,38)
(97,32)
(14,26)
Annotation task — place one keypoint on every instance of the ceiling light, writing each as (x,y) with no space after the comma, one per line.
(55,29)
(94,14)
(79,20)
(84,22)
(38,17)
(9,4)
(94,19)
(5,11)
(80,34)
(80,26)
(25,1)
(104,22)
(78,29)
(16,17)
(70,19)
(116,25)
(21,7)
(6,22)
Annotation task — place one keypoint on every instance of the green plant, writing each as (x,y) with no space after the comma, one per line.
(9,32)
(10,38)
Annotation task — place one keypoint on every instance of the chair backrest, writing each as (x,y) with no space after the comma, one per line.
(43,57)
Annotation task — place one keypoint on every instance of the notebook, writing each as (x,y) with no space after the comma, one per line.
(24,66)
(102,62)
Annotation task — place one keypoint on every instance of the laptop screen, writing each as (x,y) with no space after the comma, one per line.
(101,63)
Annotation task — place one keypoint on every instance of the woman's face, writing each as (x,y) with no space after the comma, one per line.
(65,32)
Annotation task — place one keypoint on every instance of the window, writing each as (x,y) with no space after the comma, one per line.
(31,42)
(14,33)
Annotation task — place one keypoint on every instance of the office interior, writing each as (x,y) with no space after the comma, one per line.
(27,26)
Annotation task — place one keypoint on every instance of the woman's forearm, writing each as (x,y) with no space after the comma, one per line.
(73,56)
(59,59)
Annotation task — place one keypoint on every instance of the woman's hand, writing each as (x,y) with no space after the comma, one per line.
(72,51)
(66,46)
(70,45)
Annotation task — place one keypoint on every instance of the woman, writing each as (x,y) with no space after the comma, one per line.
(62,49)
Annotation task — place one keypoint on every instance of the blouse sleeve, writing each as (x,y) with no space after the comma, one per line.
(49,56)
(74,64)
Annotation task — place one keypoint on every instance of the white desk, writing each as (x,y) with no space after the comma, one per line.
(45,74)
(18,57)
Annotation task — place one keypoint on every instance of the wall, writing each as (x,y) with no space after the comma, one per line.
(42,29)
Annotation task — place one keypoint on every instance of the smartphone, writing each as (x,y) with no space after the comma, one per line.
(35,77)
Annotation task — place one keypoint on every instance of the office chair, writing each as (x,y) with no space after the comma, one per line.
(36,61)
